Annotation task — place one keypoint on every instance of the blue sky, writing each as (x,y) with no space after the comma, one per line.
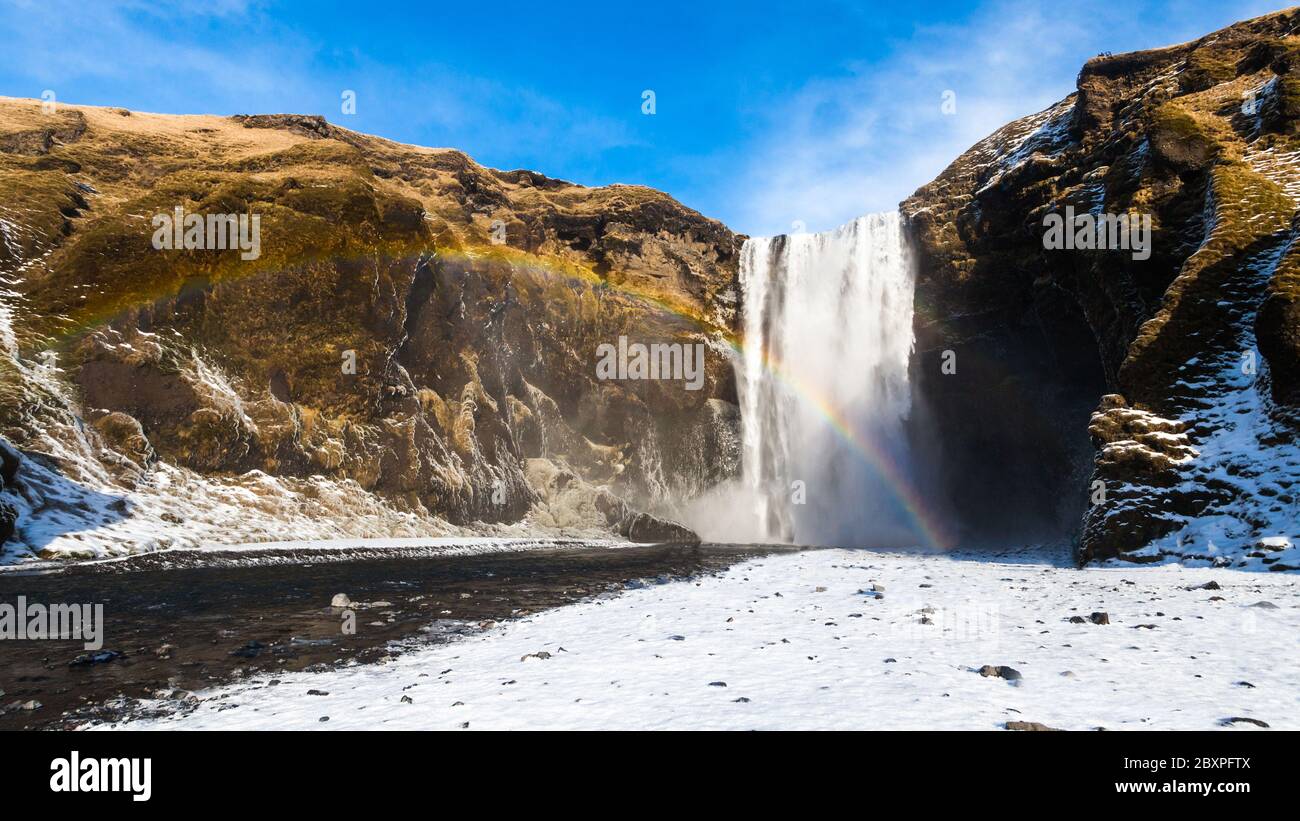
(767,114)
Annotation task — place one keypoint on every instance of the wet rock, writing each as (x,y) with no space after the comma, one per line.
(1228,722)
(340,600)
(647,528)
(1000,671)
(97,657)
(248,650)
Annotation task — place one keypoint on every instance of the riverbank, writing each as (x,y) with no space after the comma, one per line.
(827,639)
(180,621)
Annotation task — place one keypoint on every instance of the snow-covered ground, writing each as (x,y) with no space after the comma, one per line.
(801,640)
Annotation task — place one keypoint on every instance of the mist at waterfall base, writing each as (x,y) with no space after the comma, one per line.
(825,399)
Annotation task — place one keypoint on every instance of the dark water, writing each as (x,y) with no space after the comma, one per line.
(273,613)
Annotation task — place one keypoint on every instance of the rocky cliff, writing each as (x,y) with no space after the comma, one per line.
(411,349)
(1148,401)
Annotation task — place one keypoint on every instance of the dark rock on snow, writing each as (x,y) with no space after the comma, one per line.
(1000,671)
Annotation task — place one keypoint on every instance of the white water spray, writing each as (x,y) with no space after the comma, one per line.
(823,386)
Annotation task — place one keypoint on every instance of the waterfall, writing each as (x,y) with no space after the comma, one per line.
(823,386)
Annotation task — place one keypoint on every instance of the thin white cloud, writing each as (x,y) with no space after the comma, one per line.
(865,139)
(134,45)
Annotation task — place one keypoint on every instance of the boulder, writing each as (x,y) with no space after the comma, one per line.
(646,528)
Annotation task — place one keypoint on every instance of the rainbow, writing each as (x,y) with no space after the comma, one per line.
(920,514)
(923,518)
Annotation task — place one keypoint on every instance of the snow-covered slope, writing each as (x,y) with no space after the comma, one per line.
(837,639)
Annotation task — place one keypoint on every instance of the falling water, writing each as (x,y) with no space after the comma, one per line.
(824,386)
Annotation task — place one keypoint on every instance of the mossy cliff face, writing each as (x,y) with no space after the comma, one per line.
(415,323)
(1184,366)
